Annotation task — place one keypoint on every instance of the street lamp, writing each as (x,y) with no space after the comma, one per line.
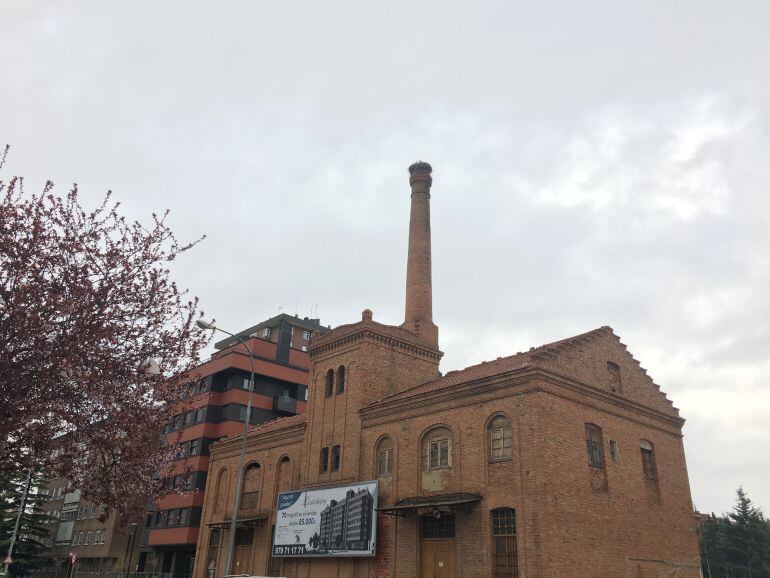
(236,504)
(150,366)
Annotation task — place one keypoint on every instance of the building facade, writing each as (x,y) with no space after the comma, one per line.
(216,409)
(564,460)
(99,546)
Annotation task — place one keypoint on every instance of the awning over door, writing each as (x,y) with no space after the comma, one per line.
(435,501)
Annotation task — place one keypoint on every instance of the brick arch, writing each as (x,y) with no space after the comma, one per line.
(428,430)
(340,383)
(284,468)
(379,444)
(251,490)
(221,491)
(497,419)
(252,476)
(328,383)
(439,475)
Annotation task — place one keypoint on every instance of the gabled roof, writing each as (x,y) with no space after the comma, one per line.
(501,364)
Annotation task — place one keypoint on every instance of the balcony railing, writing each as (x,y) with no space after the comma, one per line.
(285,404)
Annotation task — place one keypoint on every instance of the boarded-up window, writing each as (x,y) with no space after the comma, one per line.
(648,460)
(252,479)
(221,491)
(284,474)
(616,385)
(594,446)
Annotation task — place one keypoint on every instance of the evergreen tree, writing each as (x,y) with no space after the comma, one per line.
(736,545)
(32,538)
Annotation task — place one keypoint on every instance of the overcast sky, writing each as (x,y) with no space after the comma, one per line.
(595,163)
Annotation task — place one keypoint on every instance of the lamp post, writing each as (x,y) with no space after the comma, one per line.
(237,502)
(22,506)
(130,543)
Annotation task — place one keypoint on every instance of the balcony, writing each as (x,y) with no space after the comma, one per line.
(285,404)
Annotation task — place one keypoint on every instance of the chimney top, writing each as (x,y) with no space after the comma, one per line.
(420,166)
(419,173)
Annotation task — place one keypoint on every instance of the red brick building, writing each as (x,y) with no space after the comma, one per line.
(564,460)
(217,409)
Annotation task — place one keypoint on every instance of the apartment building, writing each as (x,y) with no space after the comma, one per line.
(217,409)
(97,546)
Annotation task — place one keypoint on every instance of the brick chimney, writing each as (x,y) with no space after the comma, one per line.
(419,294)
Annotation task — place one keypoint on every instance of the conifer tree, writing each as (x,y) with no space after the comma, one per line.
(32,538)
(736,545)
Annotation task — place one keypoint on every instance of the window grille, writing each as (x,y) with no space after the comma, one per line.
(505,549)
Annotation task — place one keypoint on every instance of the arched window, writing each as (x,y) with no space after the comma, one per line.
(341,379)
(252,477)
(283,477)
(330,383)
(384,457)
(504,559)
(648,460)
(220,498)
(500,439)
(594,446)
(437,448)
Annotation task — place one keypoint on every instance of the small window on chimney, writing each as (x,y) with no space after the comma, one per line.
(613,451)
(616,385)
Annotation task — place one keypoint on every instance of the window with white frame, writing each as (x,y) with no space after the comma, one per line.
(439,454)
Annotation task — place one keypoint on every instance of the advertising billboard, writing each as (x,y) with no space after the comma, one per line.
(337,521)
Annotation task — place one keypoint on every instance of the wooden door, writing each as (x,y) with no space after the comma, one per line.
(242,560)
(437,559)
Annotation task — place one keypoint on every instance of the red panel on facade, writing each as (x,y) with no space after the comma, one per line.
(186,500)
(169,536)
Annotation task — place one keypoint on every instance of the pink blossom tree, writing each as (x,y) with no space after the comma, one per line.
(85,299)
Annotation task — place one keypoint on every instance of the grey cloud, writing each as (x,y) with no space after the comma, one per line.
(595,163)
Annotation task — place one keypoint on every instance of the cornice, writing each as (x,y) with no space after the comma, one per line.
(467,393)
(382,334)
(282,437)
